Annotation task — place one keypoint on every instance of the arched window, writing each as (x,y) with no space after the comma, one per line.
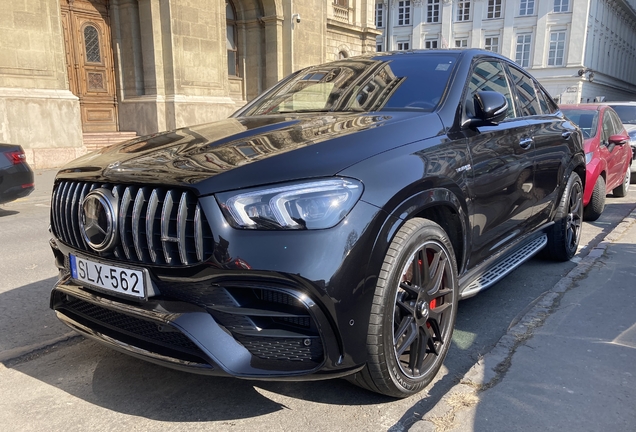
(232,52)
(343,55)
(91,45)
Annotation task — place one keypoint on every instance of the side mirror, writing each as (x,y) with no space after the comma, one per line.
(490,108)
(618,139)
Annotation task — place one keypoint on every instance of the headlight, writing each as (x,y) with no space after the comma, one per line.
(309,205)
(588,157)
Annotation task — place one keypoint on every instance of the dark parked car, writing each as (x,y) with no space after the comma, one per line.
(16,176)
(326,229)
(608,155)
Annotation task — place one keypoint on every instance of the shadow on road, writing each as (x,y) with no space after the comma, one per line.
(4,212)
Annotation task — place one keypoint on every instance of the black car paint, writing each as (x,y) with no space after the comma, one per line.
(411,163)
(16,180)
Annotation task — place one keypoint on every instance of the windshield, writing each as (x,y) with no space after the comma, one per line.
(587,120)
(414,82)
(627,113)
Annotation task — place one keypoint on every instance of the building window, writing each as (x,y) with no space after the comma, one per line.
(526,7)
(461,43)
(463,11)
(403,45)
(492,44)
(432,11)
(561,5)
(379,15)
(91,45)
(404,12)
(232,52)
(378,47)
(430,44)
(522,56)
(557,48)
(494,9)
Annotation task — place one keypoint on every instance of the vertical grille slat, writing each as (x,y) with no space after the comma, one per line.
(182,216)
(166,211)
(63,206)
(54,216)
(150,222)
(198,233)
(77,236)
(158,226)
(136,220)
(123,212)
(83,193)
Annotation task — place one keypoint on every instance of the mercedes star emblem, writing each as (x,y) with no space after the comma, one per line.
(98,220)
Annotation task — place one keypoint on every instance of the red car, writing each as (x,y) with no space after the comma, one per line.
(608,155)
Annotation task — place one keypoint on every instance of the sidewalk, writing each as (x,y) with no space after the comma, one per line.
(569,365)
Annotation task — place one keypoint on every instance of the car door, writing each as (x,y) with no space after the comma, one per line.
(551,134)
(502,169)
(614,154)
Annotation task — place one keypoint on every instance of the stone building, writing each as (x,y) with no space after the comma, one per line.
(76,72)
(580,50)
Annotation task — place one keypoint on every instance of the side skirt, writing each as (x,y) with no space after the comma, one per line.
(500,268)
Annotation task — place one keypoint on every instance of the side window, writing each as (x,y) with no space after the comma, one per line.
(608,127)
(528,102)
(616,121)
(490,76)
(545,101)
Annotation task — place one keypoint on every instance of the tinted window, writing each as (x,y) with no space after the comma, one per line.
(545,101)
(616,122)
(528,102)
(608,129)
(364,84)
(626,113)
(490,76)
(587,120)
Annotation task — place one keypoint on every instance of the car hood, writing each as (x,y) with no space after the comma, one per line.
(249,151)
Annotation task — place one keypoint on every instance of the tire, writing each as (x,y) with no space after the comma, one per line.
(413,313)
(621,191)
(596,205)
(564,235)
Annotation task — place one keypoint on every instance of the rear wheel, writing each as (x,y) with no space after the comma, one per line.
(622,190)
(564,235)
(596,205)
(413,312)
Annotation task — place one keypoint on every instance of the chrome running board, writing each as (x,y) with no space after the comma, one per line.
(501,268)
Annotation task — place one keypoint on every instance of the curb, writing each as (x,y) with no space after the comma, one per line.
(492,368)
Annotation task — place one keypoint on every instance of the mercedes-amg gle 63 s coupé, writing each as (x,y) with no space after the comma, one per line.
(326,229)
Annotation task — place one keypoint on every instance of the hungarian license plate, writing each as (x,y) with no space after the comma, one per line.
(112,278)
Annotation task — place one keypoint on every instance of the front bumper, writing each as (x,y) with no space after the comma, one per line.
(183,336)
(281,305)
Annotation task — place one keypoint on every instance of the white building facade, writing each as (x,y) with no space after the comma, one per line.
(580,50)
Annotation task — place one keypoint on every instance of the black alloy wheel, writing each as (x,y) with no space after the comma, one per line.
(565,234)
(413,311)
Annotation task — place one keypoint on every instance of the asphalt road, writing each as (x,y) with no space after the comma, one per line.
(58,381)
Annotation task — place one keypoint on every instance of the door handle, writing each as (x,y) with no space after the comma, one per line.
(526,143)
(566,135)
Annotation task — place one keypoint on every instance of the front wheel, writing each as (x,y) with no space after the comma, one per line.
(596,205)
(564,235)
(413,311)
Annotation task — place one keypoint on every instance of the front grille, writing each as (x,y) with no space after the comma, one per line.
(156,225)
